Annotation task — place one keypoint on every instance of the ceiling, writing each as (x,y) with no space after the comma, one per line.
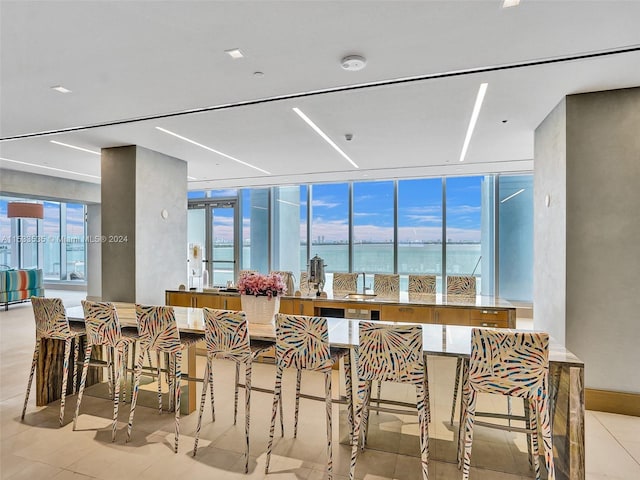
(128,64)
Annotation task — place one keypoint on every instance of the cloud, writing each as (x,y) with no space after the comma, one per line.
(318,203)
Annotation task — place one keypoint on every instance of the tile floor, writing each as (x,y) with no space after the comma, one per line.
(38,448)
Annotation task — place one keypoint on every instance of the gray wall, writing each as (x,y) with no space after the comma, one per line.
(94,253)
(32,185)
(601,229)
(143,254)
(118,168)
(549,243)
(161,244)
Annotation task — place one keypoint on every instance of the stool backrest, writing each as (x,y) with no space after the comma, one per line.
(157,328)
(304,284)
(390,353)
(287,278)
(102,324)
(462,285)
(386,285)
(226,334)
(508,362)
(302,342)
(421,286)
(51,318)
(344,283)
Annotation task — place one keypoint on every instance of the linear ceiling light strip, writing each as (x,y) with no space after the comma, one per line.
(193,142)
(347,88)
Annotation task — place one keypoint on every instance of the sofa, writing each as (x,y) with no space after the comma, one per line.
(20,285)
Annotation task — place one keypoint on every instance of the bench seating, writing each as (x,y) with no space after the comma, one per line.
(20,285)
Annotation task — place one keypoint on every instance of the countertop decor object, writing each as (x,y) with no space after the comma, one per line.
(260,296)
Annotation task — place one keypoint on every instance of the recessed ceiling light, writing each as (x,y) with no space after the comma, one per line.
(48,168)
(326,138)
(234,53)
(193,142)
(474,118)
(75,147)
(510,3)
(258,74)
(61,89)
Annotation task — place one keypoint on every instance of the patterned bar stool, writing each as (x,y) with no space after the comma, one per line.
(52,323)
(386,286)
(461,287)
(422,287)
(344,283)
(304,284)
(515,364)
(227,337)
(158,331)
(302,343)
(103,329)
(391,353)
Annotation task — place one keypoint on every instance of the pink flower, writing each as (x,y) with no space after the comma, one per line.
(258,284)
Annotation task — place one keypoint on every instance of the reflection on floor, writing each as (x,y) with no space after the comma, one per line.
(38,448)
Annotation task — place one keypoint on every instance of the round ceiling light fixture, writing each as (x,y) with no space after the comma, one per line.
(353,63)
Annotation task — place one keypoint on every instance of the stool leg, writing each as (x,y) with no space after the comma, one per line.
(297,408)
(544,423)
(203,399)
(76,352)
(534,438)
(362,388)
(365,413)
(455,389)
(134,393)
(247,411)
(379,394)
(349,388)
(83,379)
(34,362)
(117,357)
(277,393)
(176,403)
(213,407)
(235,401)
(328,406)
(468,431)
(65,375)
(422,398)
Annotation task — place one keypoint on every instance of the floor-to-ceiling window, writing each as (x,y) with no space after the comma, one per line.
(478,225)
(56,244)
(463,226)
(420,229)
(373,227)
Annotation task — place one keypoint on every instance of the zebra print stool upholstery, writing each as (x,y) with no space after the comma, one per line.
(393,353)
(344,283)
(103,329)
(227,337)
(52,322)
(158,331)
(386,286)
(512,363)
(302,343)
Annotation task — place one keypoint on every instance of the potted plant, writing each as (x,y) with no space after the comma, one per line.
(260,295)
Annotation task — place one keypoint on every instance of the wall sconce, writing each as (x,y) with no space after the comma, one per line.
(25,210)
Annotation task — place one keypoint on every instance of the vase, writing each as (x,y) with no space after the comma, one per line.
(260,309)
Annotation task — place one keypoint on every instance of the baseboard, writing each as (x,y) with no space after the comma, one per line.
(612,402)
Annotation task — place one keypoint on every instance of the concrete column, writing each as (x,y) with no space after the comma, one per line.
(587,235)
(94,253)
(144,224)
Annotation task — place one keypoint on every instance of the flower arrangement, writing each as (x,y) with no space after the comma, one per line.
(261,285)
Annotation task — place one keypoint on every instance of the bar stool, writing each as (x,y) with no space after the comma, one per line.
(515,364)
(461,287)
(305,290)
(103,329)
(344,283)
(386,286)
(302,343)
(227,337)
(287,278)
(422,287)
(388,352)
(52,323)
(158,331)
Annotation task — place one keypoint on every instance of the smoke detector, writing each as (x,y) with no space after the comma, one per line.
(353,63)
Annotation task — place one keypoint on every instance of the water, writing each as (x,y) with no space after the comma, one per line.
(419,258)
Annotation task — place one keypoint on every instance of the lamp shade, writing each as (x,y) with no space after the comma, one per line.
(25,210)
